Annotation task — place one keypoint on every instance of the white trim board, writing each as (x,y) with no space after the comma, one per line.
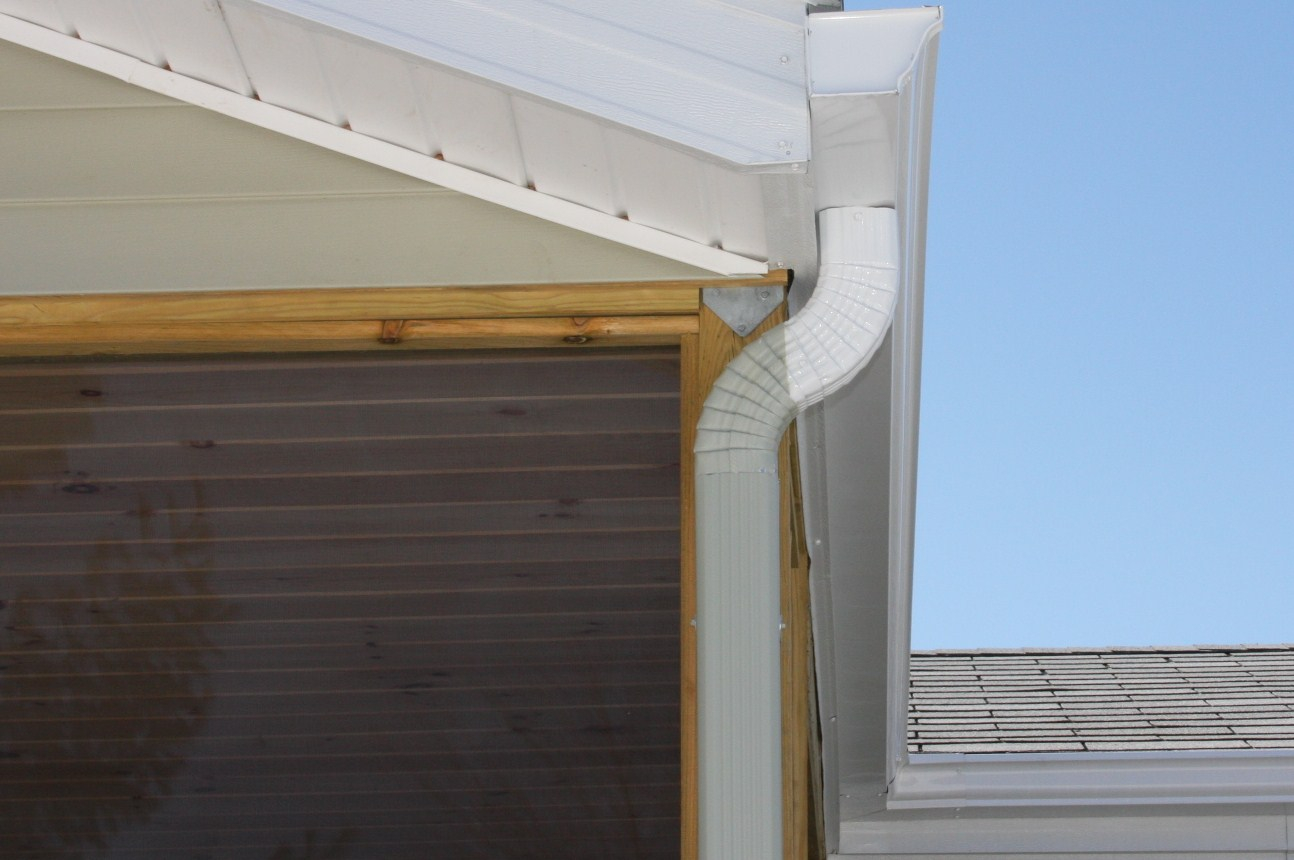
(1093,778)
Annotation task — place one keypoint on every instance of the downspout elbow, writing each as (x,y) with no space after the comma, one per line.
(754,400)
(813,354)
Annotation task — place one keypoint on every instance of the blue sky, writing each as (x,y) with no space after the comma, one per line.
(1107,439)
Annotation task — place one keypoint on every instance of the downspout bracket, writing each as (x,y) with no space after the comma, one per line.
(743,308)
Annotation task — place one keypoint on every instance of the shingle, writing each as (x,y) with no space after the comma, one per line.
(1125,698)
(1149,744)
(1071,746)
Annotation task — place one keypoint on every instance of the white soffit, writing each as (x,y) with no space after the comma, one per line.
(723,78)
(407,113)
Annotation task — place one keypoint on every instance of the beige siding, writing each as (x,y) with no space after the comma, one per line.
(105,188)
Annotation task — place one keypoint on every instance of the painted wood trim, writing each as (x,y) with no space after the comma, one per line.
(217,337)
(704,356)
(523,300)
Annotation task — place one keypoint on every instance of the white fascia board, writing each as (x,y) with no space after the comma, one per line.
(1135,833)
(930,781)
(374,151)
(871,103)
(705,75)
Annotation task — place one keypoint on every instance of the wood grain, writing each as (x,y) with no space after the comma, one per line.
(183,337)
(643,298)
(424,606)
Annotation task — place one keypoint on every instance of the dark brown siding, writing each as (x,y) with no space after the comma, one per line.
(341,607)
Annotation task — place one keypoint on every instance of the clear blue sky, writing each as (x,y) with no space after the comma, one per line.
(1107,436)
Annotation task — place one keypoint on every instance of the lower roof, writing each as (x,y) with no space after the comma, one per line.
(1088,700)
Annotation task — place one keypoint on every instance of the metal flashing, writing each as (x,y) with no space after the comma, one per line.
(742,309)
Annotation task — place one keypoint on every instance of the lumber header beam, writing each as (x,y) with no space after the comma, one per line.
(655,298)
(328,336)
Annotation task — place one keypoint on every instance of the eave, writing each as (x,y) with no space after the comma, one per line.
(645,184)
(435,168)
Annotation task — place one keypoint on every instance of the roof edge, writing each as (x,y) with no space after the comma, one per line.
(944,780)
(374,151)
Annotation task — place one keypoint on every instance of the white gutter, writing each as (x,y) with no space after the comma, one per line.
(870,154)
(1094,778)
(737,495)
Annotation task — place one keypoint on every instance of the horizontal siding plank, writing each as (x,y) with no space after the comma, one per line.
(645,840)
(46,158)
(34,733)
(384,240)
(213,458)
(170,710)
(605,734)
(106,619)
(301,423)
(96,386)
(460,788)
(418,575)
(31,80)
(554,805)
(312,765)
(73,495)
(332,523)
(557,546)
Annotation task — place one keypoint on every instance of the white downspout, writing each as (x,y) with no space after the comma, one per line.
(775,378)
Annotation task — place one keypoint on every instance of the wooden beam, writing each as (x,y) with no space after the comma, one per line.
(796,659)
(653,298)
(693,389)
(307,336)
(704,356)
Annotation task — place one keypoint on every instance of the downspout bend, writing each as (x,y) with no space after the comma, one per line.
(752,403)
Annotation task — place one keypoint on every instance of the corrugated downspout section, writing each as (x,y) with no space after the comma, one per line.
(738,560)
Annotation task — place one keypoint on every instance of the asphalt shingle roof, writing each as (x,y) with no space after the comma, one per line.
(1183,698)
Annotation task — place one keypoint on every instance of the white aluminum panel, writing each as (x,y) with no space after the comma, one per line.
(656,67)
(470,128)
(739,201)
(891,39)
(1088,778)
(662,188)
(42,12)
(566,155)
(195,41)
(1108,833)
(114,24)
(476,127)
(282,61)
(375,89)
